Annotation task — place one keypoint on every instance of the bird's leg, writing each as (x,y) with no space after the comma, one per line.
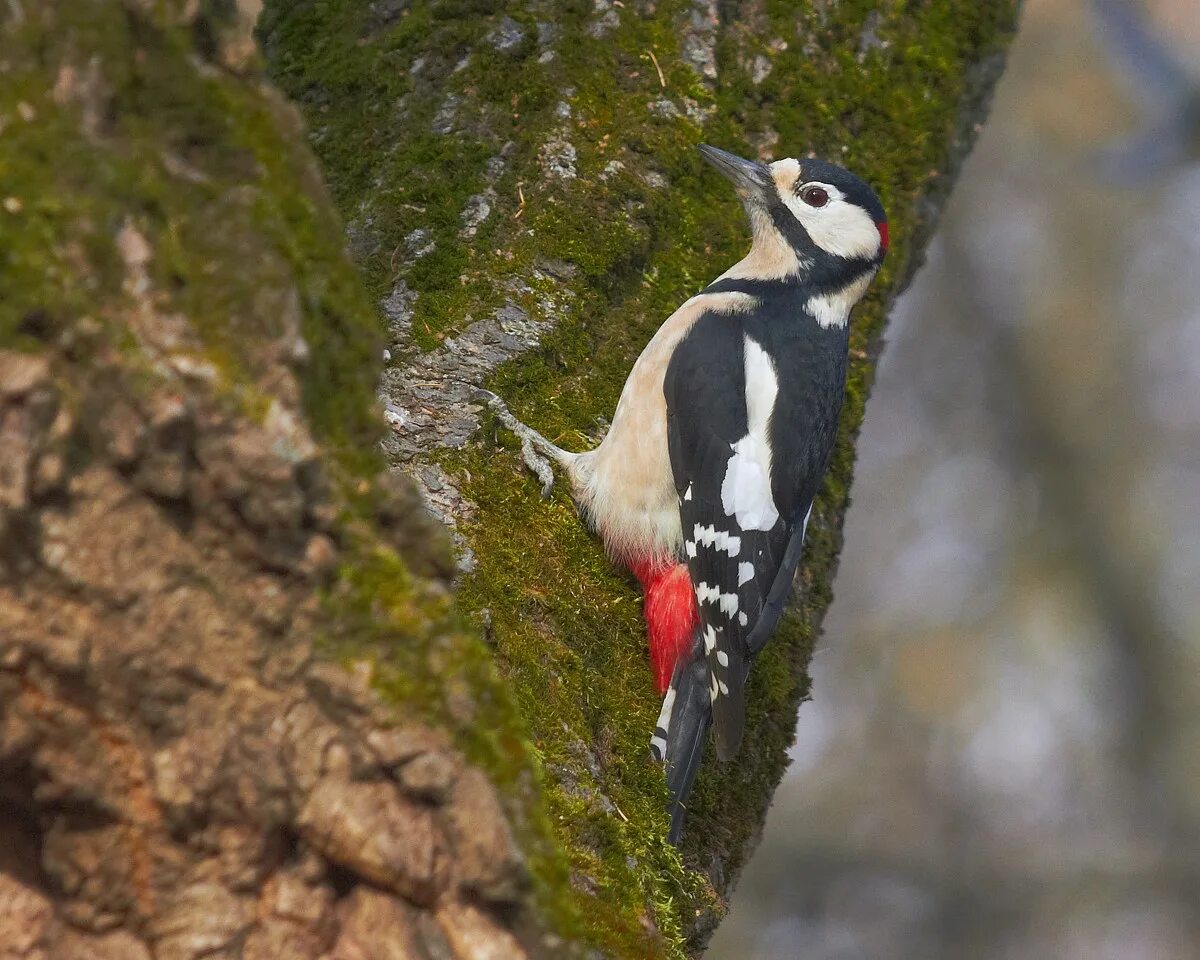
(531,443)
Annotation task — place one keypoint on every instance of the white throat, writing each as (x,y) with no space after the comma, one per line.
(771,257)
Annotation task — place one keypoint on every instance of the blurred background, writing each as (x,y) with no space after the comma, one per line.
(1002,754)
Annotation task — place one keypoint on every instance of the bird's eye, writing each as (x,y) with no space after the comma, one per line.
(814,196)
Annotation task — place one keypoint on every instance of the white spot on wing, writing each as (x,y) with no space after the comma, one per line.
(710,536)
(690,548)
(742,619)
(727,603)
(722,658)
(710,640)
(745,573)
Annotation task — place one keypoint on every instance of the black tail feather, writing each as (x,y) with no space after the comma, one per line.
(686,734)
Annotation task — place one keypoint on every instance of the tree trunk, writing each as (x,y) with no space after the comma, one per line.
(241,712)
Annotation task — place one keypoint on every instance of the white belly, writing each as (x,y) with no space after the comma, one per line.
(626,484)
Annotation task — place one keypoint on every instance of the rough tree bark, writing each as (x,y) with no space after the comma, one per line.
(241,712)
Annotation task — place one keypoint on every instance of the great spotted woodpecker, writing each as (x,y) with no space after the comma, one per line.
(704,482)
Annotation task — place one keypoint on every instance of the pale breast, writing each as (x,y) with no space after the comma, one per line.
(626,483)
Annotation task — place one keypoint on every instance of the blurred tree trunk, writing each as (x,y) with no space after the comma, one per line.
(239,714)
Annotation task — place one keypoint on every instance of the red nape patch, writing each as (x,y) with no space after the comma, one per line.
(883,234)
(670,612)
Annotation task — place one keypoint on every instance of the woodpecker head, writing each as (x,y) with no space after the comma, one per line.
(814,217)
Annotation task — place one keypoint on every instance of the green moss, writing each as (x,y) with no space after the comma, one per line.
(207,169)
(566,623)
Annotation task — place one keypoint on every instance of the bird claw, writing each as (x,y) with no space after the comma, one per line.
(530,439)
(539,466)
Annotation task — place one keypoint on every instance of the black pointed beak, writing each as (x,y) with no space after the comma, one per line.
(749,178)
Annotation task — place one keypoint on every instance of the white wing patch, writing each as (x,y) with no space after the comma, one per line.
(746,490)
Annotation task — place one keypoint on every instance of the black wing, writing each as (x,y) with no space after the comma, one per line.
(741,552)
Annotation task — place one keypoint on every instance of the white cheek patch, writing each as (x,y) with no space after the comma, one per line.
(840,227)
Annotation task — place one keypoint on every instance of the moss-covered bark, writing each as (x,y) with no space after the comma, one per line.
(192,502)
(524,198)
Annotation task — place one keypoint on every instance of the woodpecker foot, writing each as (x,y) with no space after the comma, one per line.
(531,442)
